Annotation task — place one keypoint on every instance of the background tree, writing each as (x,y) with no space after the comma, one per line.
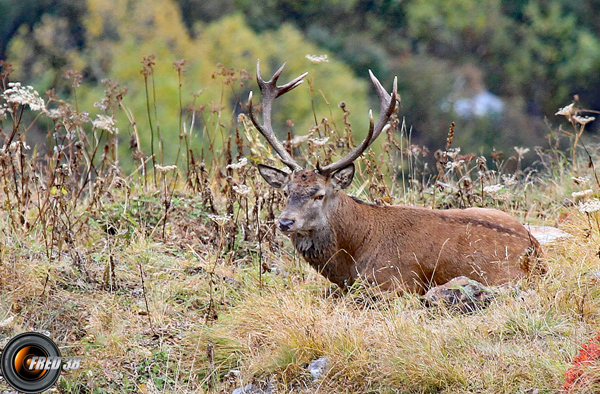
(119,34)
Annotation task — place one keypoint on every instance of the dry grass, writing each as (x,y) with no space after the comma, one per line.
(169,287)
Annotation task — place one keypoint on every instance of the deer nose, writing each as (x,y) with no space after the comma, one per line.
(286,224)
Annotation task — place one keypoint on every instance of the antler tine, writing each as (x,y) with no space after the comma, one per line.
(270,91)
(388,105)
(279,90)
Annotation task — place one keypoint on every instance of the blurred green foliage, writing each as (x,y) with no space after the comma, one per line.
(534,54)
(119,34)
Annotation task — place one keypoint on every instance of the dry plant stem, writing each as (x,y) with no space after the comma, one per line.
(50,184)
(133,124)
(403,134)
(591,163)
(211,379)
(212,275)
(260,269)
(349,141)
(151,129)
(166,203)
(141,167)
(145,296)
(188,134)
(205,134)
(90,167)
(167,199)
(218,128)
(577,137)
(161,141)
(180,124)
(45,283)
(16,123)
(589,218)
(335,128)
(312,99)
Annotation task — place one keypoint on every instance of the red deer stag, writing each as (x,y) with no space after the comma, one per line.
(397,248)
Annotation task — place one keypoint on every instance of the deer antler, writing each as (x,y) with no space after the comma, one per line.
(270,91)
(388,104)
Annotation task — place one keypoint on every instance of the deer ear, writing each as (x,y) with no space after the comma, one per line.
(341,179)
(273,176)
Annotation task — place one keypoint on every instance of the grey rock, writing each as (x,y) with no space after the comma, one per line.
(460,294)
(318,368)
(254,388)
(547,234)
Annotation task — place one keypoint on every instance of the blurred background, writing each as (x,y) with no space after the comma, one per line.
(500,69)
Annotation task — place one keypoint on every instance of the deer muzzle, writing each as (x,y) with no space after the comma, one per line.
(286,225)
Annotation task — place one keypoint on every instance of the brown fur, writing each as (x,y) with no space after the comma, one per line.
(403,248)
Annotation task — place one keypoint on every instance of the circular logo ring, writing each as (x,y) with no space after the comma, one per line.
(31,363)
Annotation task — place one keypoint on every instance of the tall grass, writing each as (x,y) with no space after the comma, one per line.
(170,277)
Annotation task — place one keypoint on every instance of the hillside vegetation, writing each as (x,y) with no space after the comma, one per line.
(534,55)
(169,276)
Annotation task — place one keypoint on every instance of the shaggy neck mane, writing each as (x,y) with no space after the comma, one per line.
(317,246)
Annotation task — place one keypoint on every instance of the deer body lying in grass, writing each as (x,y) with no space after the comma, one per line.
(397,248)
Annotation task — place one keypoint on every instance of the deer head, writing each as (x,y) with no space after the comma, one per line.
(311,194)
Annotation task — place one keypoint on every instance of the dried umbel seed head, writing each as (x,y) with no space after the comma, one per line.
(75,76)
(137,155)
(179,65)
(148,65)
(165,169)
(482,163)
(497,156)
(583,120)
(465,182)
(23,95)
(63,170)
(567,111)
(521,151)
(316,59)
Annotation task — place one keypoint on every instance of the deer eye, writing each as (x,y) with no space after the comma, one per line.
(285,192)
(319,197)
